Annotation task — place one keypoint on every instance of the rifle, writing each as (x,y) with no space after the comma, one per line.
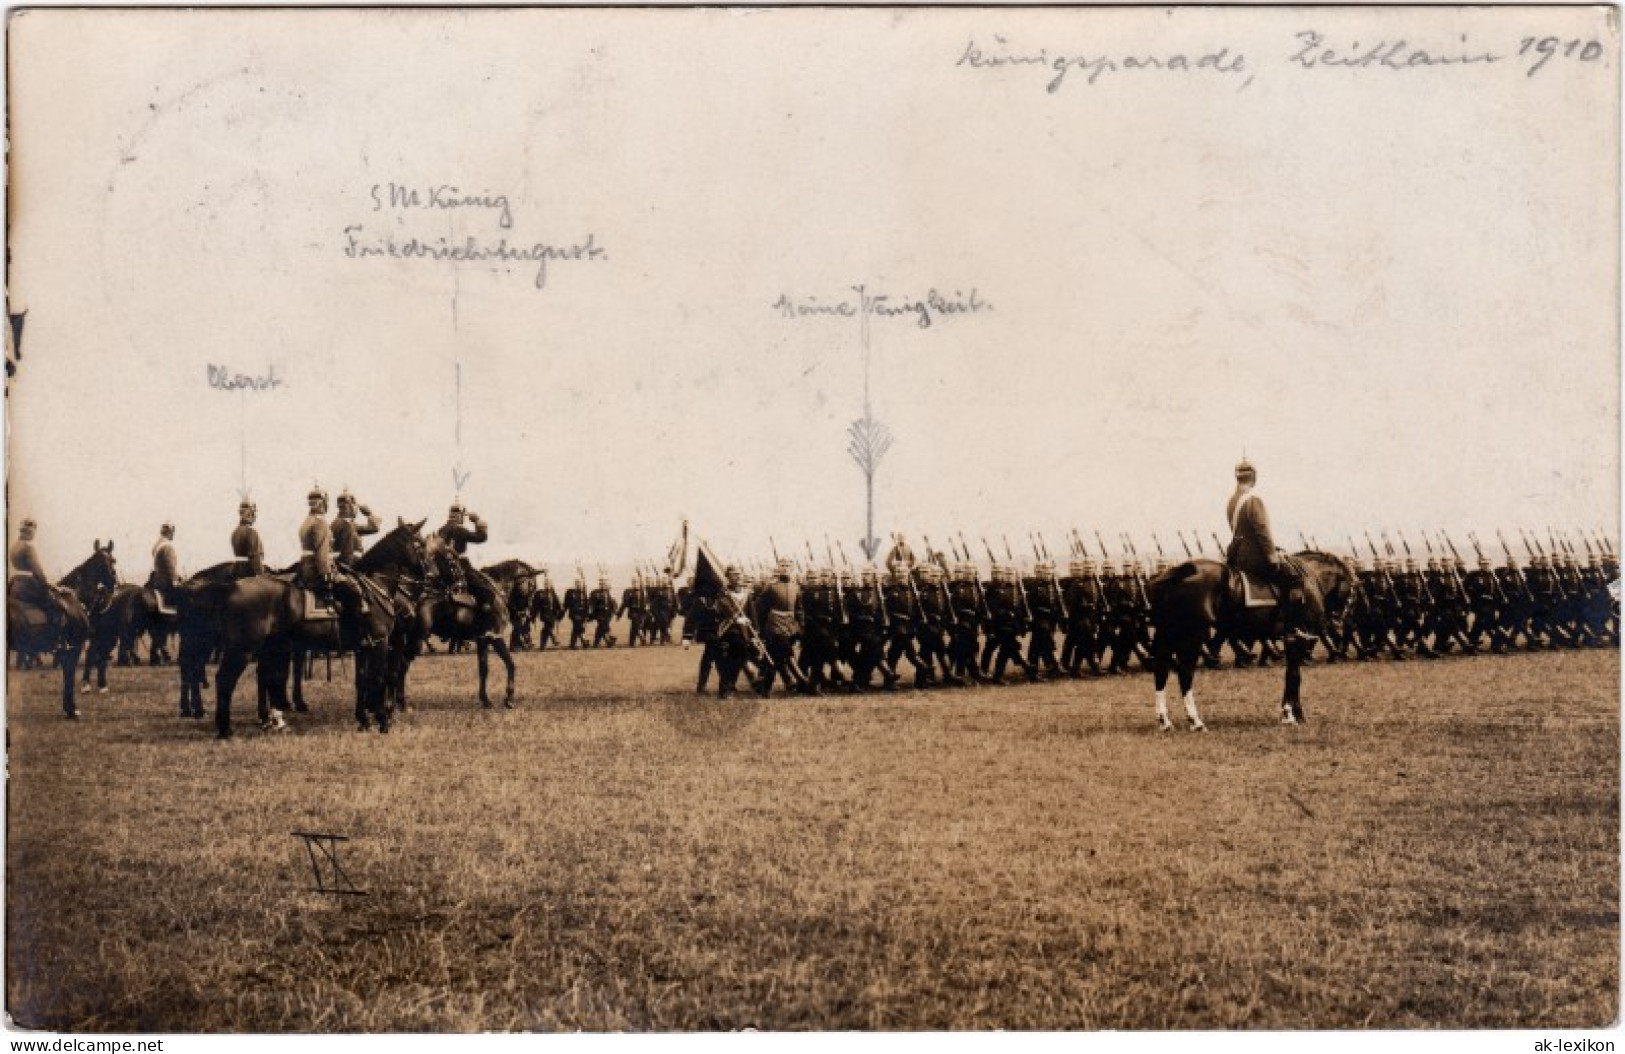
(1055,580)
(1185,545)
(1158,543)
(1216,546)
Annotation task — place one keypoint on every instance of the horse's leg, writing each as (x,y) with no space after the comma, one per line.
(297,665)
(68,659)
(1161,662)
(507,660)
(485,668)
(1291,708)
(1189,656)
(232,664)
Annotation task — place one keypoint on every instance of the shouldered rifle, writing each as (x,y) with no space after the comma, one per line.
(1185,545)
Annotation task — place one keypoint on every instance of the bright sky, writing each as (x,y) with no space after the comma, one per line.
(1395,290)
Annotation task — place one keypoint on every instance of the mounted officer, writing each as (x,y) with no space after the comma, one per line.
(165,579)
(29,582)
(316,549)
(457,538)
(347,532)
(245,542)
(1252,549)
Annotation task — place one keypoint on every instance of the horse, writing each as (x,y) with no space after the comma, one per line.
(1193,599)
(442,613)
(31,628)
(516,582)
(263,616)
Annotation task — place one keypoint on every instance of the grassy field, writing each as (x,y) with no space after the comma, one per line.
(1438,847)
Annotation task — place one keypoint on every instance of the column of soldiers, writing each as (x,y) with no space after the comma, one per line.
(820,629)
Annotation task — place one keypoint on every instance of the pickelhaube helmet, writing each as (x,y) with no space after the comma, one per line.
(345,497)
(1245,468)
(1125,566)
(168,527)
(457,508)
(247,505)
(28,525)
(1077,568)
(1433,563)
(317,494)
(1483,562)
(1044,568)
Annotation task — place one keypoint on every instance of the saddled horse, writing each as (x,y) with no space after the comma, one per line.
(267,617)
(1192,600)
(35,625)
(452,616)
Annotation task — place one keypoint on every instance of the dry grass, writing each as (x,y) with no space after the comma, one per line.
(1439,847)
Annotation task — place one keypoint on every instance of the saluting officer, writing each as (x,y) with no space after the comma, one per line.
(347,532)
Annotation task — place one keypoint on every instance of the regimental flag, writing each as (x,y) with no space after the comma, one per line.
(710,579)
(677,555)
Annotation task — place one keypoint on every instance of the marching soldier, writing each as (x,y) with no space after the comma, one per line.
(901,621)
(935,607)
(546,607)
(575,606)
(820,618)
(1007,621)
(866,628)
(635,606)
(776,608)
(245,542)
(965,597)
(1043,605)
(601,609)
(1252,549)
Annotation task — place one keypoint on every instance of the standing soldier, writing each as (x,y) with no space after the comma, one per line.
(1252,549)
(245,543)
(601,609)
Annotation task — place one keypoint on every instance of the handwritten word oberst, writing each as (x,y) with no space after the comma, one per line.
(1002,53)
(922,310)
(360,245)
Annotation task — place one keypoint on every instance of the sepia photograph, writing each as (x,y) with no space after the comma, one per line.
(813,519)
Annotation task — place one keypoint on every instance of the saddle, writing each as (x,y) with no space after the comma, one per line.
(1250,591)
(313,610)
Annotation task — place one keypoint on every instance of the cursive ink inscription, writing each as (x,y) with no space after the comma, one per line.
(1314,53)
(360,245)
(225,380)
(439,196)
(923,311)
(1002,53)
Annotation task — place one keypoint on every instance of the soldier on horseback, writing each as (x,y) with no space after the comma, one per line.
(166,568)
(316,549)
(245,542)
(347,534)
(29,582)
(1252,550)
(457,539)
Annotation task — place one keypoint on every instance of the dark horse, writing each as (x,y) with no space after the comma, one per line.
(34,624)
(516,581)
(264,617)
(1192,600)
(443,614)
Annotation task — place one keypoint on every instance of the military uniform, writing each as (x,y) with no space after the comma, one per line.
(776,607)
(575,606)
(165,579)
(635,607)
(245,544)
(601,609)
(29,582)
(1007,621)
(347,532)
(1252,549)
(456,538)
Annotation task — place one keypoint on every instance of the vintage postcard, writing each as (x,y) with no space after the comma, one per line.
(883,518)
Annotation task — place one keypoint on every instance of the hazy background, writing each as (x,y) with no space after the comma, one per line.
(1396,291)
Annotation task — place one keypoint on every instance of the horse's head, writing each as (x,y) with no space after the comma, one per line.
(402,550)
(97,576)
